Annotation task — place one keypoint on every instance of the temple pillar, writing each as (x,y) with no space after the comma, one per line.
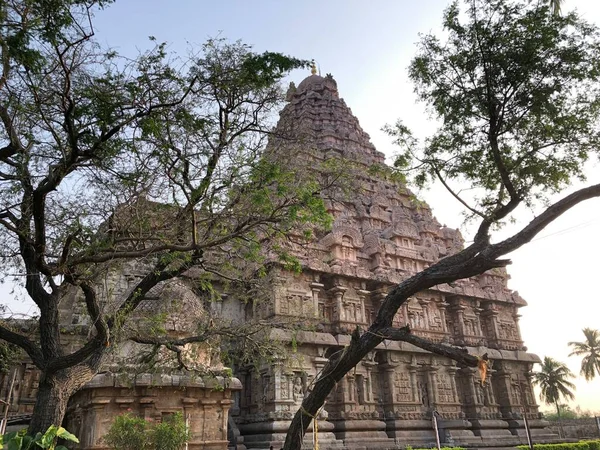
(452,374)
(442,308)
(412,370)
(425,305)
(458,311)
(492,319)
(338,294)
(478,311)
(363,295)
(432,385)
(316,289)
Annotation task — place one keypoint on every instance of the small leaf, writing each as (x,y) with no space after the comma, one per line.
(64,434)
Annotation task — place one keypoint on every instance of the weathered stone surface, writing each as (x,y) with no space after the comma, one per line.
(92,409)
(381,235)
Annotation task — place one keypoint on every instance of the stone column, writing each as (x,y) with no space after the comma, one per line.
(442,308)
(338,294)
(363,295)
(516,317)
(432,385)
(424,304)
(489,390)
(378,296)
(368,384)
(452,374)
(492,317)
(458,310)
(412,370)
(99,429)
(470,383)
(404,308)
(316,289)
(478,311)
(389,369)
(350,390)
(503,378)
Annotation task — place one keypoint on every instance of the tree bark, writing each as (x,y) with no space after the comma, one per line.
(53,396)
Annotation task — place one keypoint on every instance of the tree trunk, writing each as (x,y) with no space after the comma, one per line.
(561,432)
(54,392)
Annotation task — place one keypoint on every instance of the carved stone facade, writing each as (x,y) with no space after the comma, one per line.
(205,402)
(380,237)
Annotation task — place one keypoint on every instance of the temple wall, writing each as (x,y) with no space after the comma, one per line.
(204,403)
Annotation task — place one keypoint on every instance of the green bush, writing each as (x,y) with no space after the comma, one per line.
(582,445)
(408,447)
(129,432)
(171,434)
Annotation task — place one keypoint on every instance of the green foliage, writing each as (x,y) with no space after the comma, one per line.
(516,91)
(20,440)
(582,445)
(156,160)
(564,412)
(128,432)
(590,349)
(9,353)
(171,433)
(409,447)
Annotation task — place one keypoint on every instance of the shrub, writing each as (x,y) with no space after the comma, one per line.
(171,434)
(129,432)
(582,445)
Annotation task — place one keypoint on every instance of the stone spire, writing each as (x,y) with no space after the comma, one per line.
(320,119)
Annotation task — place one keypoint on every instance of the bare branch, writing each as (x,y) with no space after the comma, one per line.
(25,343)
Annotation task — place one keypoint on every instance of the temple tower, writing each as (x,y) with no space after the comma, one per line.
(382,235)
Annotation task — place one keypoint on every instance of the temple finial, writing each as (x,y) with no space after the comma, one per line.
(313,68)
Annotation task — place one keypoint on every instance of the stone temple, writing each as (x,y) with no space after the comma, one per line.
(381,235)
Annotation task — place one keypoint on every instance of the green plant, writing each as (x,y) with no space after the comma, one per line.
(129,432)
(553,380)
(20,440)
(171,434)
(581,445)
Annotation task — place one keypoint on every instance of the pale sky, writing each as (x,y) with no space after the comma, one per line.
(367,46)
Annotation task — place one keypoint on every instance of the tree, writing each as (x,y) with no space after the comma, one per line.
(107,161)
(515,89)
(553,380)
(590,348)
(555,6)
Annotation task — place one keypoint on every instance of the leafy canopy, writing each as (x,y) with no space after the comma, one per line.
(515,90)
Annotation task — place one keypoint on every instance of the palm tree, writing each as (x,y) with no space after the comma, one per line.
(553,380)
(590,348)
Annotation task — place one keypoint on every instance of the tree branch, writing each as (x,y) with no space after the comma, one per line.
(25,343)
